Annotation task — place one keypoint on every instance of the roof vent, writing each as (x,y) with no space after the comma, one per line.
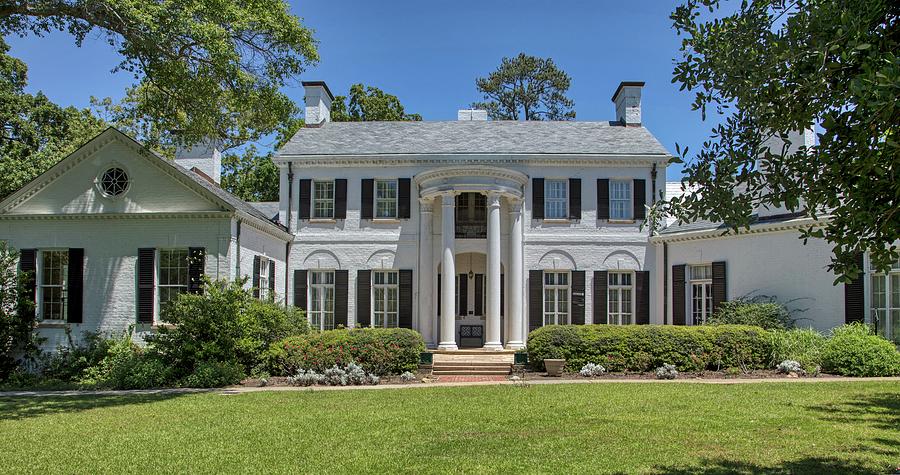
(471,114)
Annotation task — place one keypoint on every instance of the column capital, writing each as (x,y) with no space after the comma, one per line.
(493,198)
(448,198)
(515,204)
(426,205)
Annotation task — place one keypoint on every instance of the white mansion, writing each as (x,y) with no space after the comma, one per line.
(473,232)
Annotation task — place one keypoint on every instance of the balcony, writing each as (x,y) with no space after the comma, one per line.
(471,230)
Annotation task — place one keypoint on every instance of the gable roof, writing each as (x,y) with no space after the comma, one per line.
(211,190)
(473,137)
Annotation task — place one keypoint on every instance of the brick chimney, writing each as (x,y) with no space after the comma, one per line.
(204,156)
(628,103)
(318,103)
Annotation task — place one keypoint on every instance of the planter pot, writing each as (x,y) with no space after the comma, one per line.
(554,367)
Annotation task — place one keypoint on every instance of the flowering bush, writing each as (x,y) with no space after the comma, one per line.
(378,351)
(591,369)
(666,371)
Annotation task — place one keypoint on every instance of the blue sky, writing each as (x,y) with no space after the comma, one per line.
(429,53)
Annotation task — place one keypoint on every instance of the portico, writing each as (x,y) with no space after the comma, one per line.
(502,188)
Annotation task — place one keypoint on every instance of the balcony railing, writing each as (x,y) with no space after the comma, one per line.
(471,230)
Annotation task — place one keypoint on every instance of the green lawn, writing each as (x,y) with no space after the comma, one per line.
(832,427)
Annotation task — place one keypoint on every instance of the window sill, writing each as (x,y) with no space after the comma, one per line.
(52,324)
(157,326)
(386,220)
(621,221)
(323,221)
(558,220)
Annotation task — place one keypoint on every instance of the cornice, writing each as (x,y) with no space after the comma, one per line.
(762,228)
(333,161)
(113,216)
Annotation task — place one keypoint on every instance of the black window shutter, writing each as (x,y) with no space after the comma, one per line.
(719,284)
(678,302)
(537,198)
(502,295)
(574,198)
(341,296)
(603,198)
(406,298)
(367,199)
(300,289)
(601,296)
(196,264)
(272,280)
(642,295)
(479,294)
(363,298)
(305,193)
(255,283)
(340,198)
(640,199)
(463,308)
(535,299)
(439,292)
(578,297)
(75,291)
(854,307)
(146,284)
(403,198)
(28,266)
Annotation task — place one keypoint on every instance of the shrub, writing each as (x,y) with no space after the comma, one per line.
(761,312)
(854,350)
(18,341)
(350,375)
(801,345)
(407,377)
(225,324)
(378,351)
(214,374)
(126,366)
(306,378)
(591,369)
(666,371)
(645,347)
(790,366)
(69,363)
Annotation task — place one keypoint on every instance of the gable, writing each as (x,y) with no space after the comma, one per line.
(152,187)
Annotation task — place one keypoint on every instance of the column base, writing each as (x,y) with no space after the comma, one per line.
(515,345)
(493,345)
(448,345)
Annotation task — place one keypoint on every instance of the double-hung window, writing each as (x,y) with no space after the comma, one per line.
(264,277)
(556,199)
(886,302)
(620,199)
(385,199)
(556,298)
(321,300)
(620,301)
(385,290)
(54,271)
(323,199)
(701,293)
(173,274)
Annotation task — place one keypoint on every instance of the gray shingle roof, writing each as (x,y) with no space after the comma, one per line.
(268,208)
(710,226)
(473,137)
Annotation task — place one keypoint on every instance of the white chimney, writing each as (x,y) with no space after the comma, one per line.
(628,103)
(471,114)
(205,157)
(318,103)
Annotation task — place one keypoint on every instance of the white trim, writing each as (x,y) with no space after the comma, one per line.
(620,288)
(755,228)
(544,288)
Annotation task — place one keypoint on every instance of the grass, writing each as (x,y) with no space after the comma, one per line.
(846,427)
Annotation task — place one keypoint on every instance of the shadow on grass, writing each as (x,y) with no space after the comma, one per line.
(880,411)
(812,465)
(23,407)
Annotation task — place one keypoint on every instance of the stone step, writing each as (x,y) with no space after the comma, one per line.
(462,367)
(470,363)
(478,372)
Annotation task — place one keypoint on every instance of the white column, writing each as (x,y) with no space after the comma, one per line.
(283,195)
(492,334)
(426,273)
(448,272)
(515,279)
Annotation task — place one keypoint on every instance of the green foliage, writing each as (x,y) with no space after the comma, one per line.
(854,350)
(213,374)
(645,347)
(70,362)
(746,311)
(202,68)
(526,87)
(772,67)
(127,366)
(36,132)
(17,339)
(250,176)
(801,345)
(369,103)
(379,351)
(224,324)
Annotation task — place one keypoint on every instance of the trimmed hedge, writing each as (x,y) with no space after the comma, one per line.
(854,350)
(645,347)
(379,351)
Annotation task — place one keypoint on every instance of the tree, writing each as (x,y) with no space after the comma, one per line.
(776,66)
(203,68)
(34,132)
(250,176)
(17,340)
(526,87)
(369,103)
